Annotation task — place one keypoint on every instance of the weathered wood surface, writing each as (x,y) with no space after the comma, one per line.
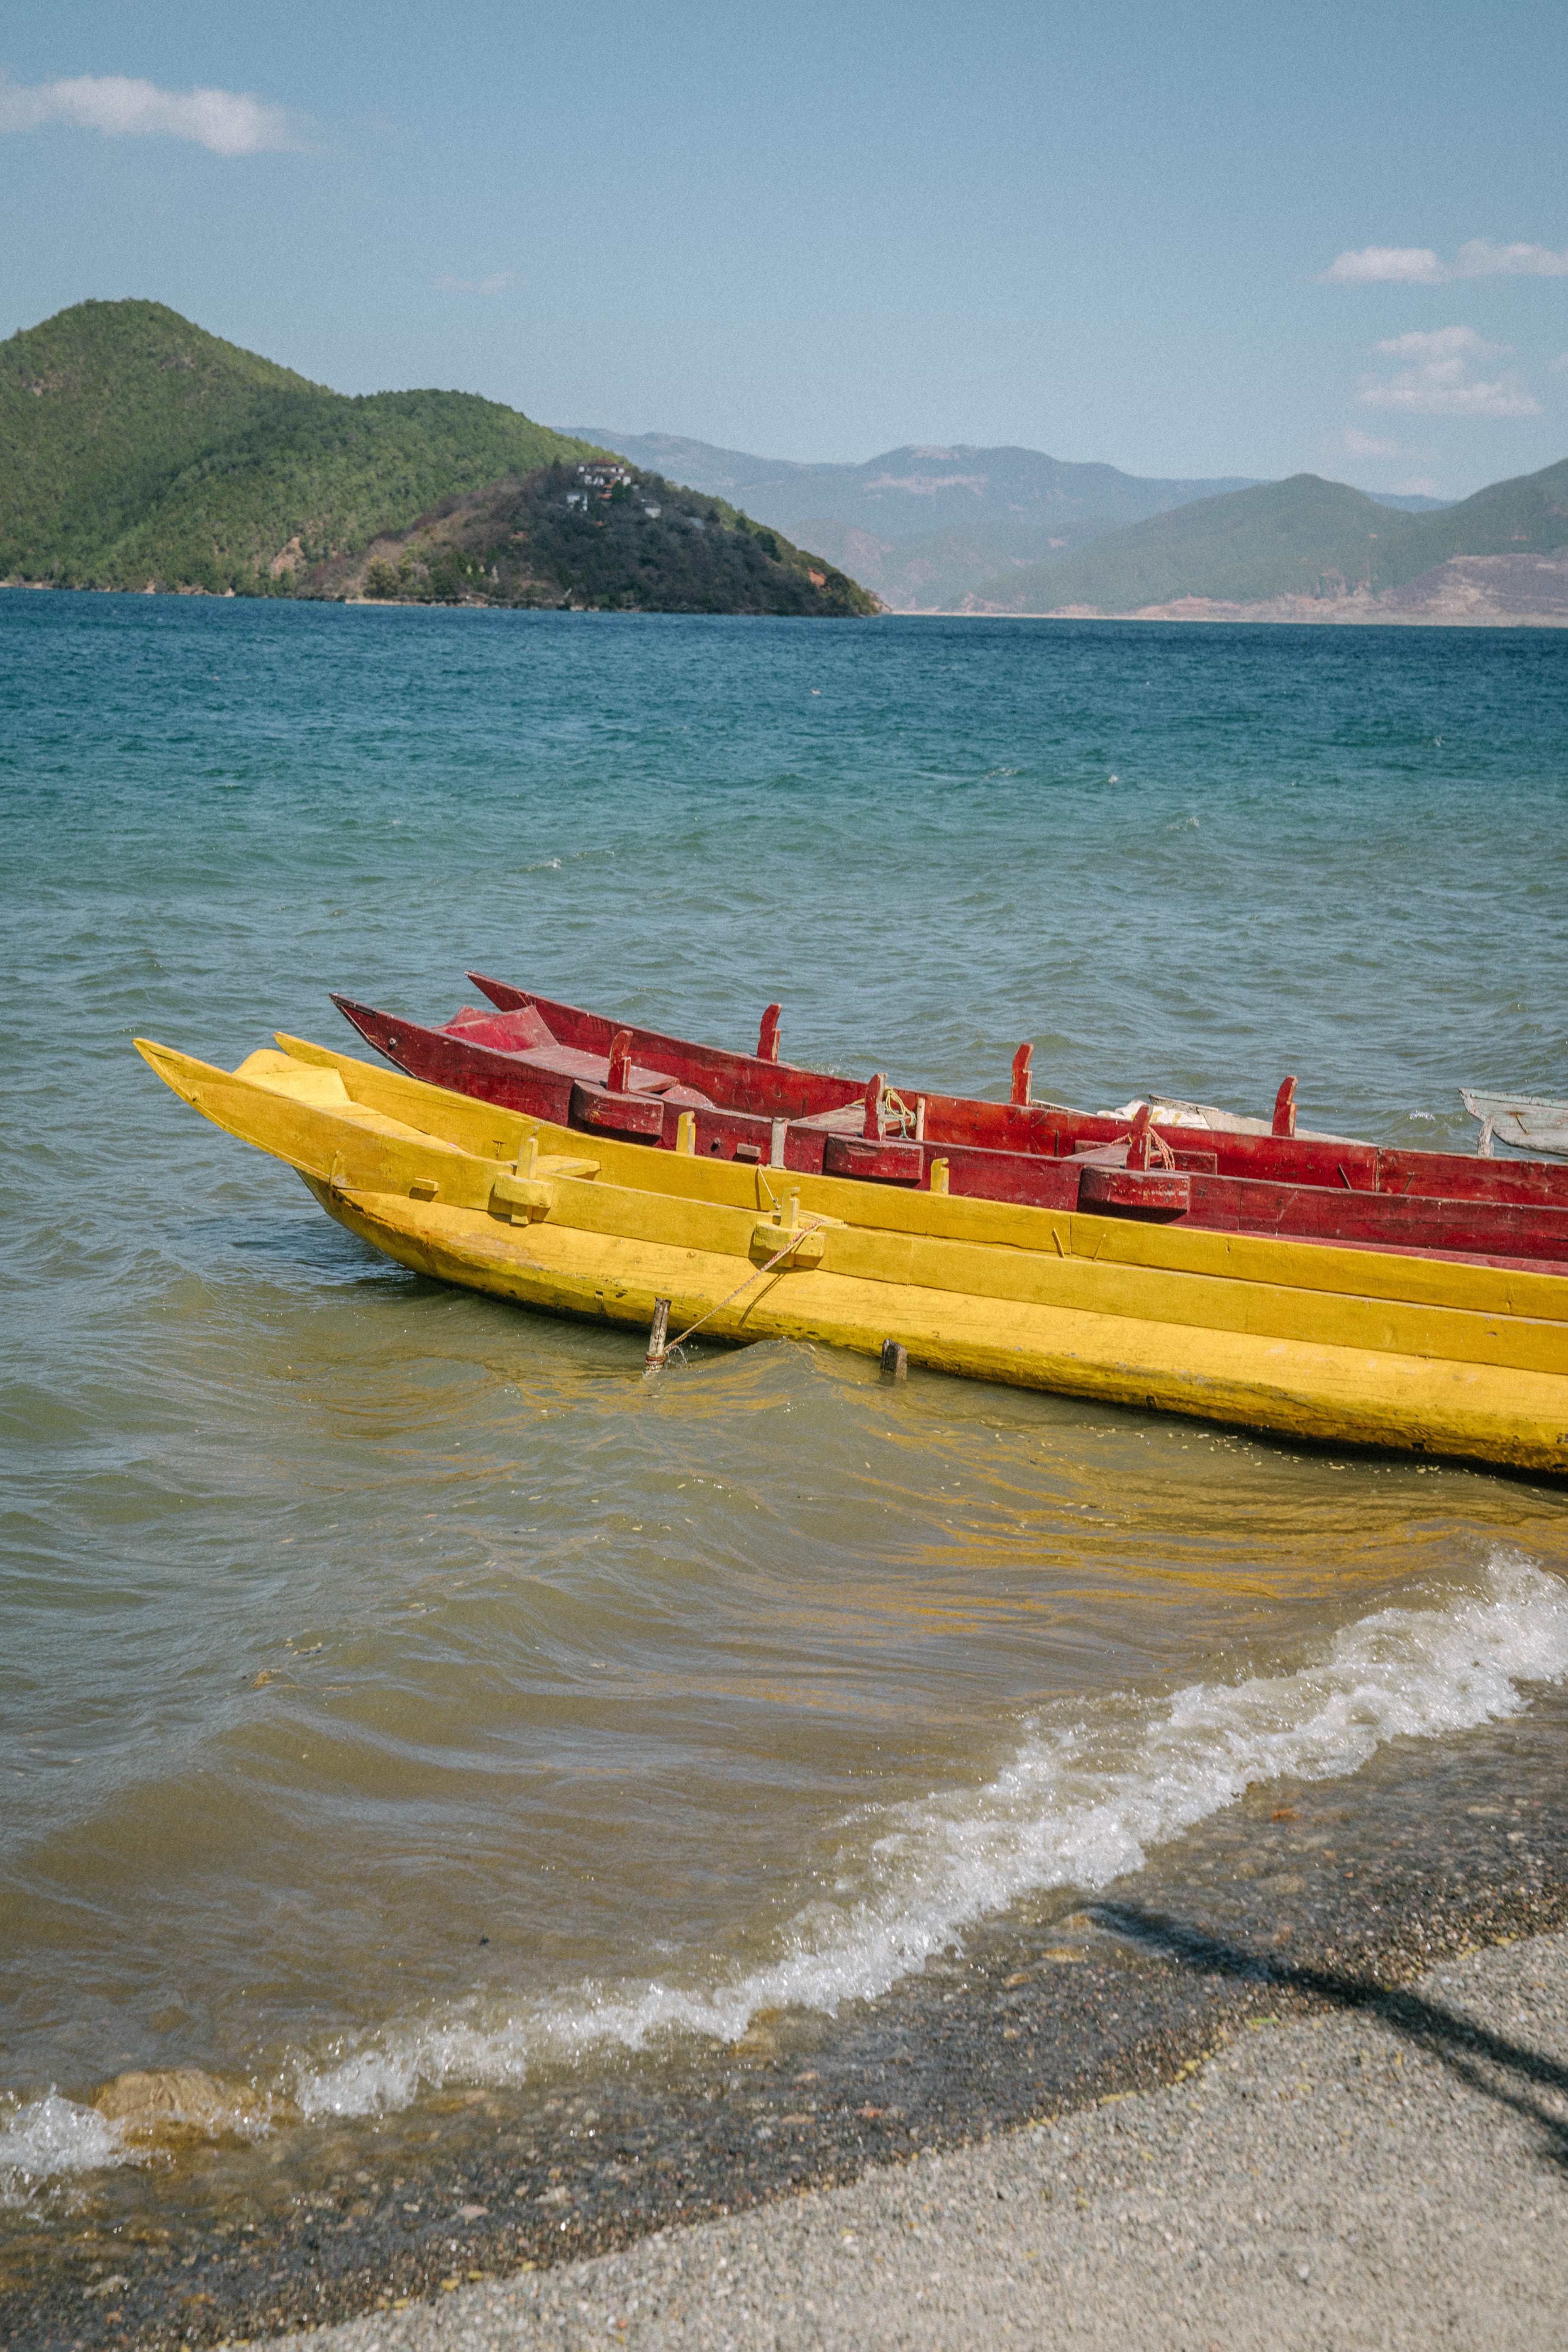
(1336,1345)
(1530,1122)
(742,1082)
(1196,1189)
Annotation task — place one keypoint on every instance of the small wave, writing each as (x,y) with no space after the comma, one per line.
(1079,1804)
(44,2139)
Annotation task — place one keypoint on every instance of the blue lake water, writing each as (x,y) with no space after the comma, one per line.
(348,1620)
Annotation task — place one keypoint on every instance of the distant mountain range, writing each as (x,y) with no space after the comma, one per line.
(926,528)
(1323,550)
(138,451)
(1012,530)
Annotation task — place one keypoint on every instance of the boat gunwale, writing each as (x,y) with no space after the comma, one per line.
(346,1160)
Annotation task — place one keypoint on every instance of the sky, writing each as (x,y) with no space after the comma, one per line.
(1187,240)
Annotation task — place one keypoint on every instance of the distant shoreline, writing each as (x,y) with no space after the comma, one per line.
(1191,610)
(1528,591)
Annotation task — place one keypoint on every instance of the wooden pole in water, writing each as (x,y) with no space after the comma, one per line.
(658,1336)
(895,1361)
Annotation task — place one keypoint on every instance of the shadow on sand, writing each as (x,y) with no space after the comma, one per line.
(1488,2062)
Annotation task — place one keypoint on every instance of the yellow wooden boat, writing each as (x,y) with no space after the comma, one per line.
(1341,1346)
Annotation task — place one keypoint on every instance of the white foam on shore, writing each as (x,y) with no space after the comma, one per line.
(46,2140)
(1079,1804)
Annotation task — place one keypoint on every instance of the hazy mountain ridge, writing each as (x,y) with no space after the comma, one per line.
(1409,502)
(1301,539)
(914,490)
(933,571)
(927,528)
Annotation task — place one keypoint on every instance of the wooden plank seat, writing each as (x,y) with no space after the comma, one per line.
(849,1118)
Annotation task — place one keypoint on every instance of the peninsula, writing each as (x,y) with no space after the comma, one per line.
(139,451)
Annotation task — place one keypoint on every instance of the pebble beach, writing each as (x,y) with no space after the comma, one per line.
(1388,2176)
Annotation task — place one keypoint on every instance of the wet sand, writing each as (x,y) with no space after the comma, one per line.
(1262,1916)
(1391,2173)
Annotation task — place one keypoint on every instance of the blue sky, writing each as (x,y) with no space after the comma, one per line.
(1197,240)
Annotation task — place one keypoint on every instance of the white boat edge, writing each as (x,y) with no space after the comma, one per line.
(1530,1122)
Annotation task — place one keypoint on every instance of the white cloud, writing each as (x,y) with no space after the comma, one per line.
(1417,264)
(1559,366)
(1385,264)
(497,283)
(224,120)
(1442,343)
(1439,381)
(1482,258)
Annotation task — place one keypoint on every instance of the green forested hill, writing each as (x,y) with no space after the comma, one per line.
(102,407)
(1303,537)
(1283,538)
(135,448)
(599,536)
(1526,516)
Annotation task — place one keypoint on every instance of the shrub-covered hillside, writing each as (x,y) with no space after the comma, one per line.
(598,536)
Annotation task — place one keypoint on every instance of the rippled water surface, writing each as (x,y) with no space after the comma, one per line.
(397,1694)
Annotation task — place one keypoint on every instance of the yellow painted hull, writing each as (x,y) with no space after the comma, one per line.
(1347,1346)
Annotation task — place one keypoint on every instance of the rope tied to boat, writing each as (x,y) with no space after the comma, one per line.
(895,1107)
(1145,1144)
(658,1356)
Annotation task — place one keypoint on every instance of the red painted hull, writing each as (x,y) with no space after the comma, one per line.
(1051,1128)
(550,1061)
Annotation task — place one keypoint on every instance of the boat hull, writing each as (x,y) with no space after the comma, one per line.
(1338,1347)
(1195,1191)
(1056,1129)
(1527,1121)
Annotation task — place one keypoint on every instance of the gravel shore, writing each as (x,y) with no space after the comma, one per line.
(1393,2173)
(1301,1904)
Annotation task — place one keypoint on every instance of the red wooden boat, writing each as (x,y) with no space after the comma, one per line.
(554,1061)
